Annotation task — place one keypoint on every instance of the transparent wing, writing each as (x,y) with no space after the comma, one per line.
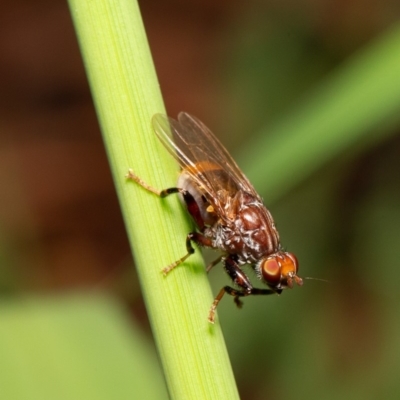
(192,144)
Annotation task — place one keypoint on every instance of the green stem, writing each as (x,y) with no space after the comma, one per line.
(126,94)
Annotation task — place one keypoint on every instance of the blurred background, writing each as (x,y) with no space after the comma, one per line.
(254,72)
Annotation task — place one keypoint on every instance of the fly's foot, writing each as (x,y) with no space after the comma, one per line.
(170,267)
(238,302)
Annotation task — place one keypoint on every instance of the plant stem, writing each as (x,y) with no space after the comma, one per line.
(126,94)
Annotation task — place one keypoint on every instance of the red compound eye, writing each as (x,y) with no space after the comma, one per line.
(280,270)
(271,271)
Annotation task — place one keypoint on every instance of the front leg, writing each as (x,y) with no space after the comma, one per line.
(239,278)
(160,193)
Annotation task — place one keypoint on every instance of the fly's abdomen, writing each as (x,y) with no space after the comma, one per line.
(196,202)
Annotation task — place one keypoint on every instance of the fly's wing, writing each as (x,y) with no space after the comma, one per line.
(190,142)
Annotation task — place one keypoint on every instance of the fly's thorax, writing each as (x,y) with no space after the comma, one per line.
(256,225)
(249,232)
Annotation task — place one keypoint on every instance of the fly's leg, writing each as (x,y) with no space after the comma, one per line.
(194,210)
(213,264)
(239,278)
(195,237)
(236,293)
(191,204)
(160,193)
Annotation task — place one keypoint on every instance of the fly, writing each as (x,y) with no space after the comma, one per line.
(229,214)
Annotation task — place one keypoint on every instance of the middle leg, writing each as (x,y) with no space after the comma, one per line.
(195,237)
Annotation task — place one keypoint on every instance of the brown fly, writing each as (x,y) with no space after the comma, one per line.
(229,214)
